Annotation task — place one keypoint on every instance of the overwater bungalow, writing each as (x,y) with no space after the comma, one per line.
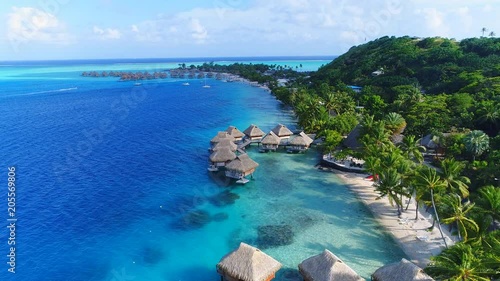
(282,131)
(241,167)
(220,136)
(237,134)
(327,267)
(299,143)
(403,270)
(225,143)
(220,158)
(247,263)
(270,142)
(254,133)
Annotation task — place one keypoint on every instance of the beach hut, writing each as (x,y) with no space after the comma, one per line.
(241,167)
(220,158)
(327,267)
(401,271)
(247,263)
(282,131)
(237,134)
(300,143)
(254,133)
(270,142)
(225,143)
(220,136)
(352,141)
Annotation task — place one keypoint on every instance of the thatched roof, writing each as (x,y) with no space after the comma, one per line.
(352,141)
(397,138)
(400,271)
(222,154)
(282,131)
(220,136)
(248,263)
(271,139)
(225,143)
(242,164)
(327,267)
(233,131)
(253,131)
(301,140)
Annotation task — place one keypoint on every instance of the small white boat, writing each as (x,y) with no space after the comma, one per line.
(206,86)
(212,168)
(242,181)
(137,84)
(185,84)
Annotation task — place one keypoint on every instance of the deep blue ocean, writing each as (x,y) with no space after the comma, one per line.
(111,179)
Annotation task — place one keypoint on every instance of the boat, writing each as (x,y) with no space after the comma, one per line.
(243,181)
(213,168)
(206,86)
(137,84)
(185,84)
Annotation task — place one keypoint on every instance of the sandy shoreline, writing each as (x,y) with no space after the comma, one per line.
(410,234)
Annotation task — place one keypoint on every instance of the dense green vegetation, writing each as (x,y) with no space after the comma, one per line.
(417,87)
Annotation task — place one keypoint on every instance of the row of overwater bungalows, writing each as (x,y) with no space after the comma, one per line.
(228,148)
(248,263)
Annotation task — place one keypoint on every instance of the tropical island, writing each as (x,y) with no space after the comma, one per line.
(425,113)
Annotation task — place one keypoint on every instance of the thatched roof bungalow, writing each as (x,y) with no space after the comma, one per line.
(220,136)
(237,134)
(241,167)
(254,133)
(282,131)
(401,271)
(299,143)
(225,143)
(222,156)
(270,142)
(247,263)
(327,267)
(352,141)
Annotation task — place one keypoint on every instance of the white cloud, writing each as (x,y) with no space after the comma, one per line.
(134,28)
(198,31)
(31,24)
(107,33)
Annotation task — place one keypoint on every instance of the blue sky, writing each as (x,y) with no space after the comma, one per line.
(71,29)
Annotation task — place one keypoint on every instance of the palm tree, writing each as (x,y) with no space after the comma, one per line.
(427,178)
(450,173)
(390,186)
(456,213)
(412,149)
(489,114)
(484,30)
(489,201)
(476,143)
(492,34)
(395,123)
(458,263)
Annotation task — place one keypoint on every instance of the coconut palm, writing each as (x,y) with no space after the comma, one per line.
(489,201)
(395,123)
(412,149)
(427,178)
(458,263)
(492,34)
(489,113)
(484,30)
(390,185)
(476,143)
(450,173)
(457,213)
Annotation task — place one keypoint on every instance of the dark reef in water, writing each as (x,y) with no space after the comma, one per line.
(270,236)
(192,220)
(224,198)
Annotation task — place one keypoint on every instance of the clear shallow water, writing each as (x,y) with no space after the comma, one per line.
(110,173)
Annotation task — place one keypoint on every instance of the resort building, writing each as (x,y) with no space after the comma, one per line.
(241,167)
(225,143)
(327,267)
(220,136)
(401,271)
(351,141)
(220,158)
(235,133)
(254,133)
(282,131)
(247,263)
(356,89)
(299,143)
(270,142)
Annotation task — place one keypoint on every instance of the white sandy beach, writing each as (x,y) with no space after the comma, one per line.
(412,235)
